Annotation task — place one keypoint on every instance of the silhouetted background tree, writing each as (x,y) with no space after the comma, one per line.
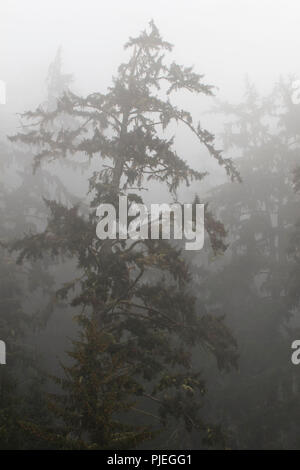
(250,284)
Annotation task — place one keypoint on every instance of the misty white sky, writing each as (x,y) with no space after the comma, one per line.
(225,39)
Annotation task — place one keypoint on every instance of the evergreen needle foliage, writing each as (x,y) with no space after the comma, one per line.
(131,375)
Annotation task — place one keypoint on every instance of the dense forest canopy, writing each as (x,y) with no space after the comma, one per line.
(156,346)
